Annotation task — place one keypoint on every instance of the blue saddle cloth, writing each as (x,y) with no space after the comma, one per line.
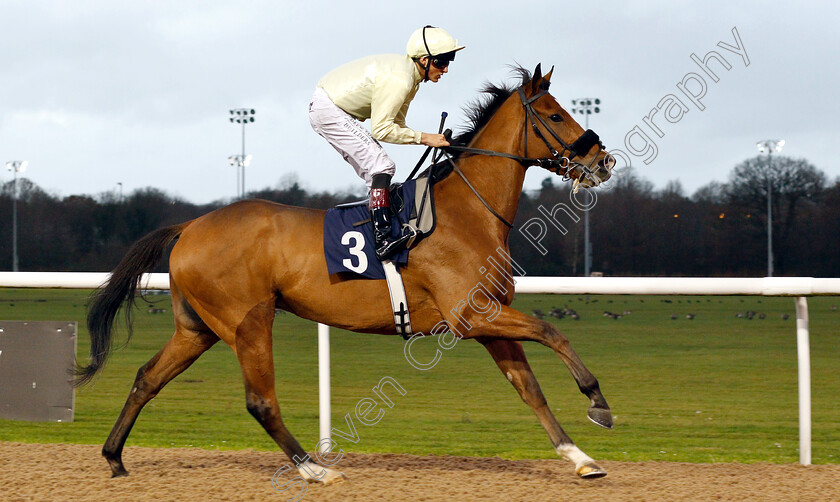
(348,236)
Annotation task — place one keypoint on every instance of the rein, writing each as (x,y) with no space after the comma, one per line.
(486,204)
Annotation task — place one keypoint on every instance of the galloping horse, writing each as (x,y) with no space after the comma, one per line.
(231,269)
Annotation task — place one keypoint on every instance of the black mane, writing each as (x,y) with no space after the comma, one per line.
(479,112)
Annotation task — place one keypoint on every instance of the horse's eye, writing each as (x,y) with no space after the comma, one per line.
(556,117)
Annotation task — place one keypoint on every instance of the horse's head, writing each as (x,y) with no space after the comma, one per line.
(553,136)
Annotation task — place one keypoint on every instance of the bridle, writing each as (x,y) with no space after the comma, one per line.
(561,162)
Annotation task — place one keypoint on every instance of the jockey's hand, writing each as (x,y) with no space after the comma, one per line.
(435,140)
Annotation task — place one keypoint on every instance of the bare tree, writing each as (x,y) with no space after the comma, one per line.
(712,193)
(793,182)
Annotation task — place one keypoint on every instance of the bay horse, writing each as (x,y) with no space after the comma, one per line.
(231,268)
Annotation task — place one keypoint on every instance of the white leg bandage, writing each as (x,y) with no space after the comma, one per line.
(574,454)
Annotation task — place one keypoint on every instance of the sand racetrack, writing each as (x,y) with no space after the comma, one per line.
(78,472)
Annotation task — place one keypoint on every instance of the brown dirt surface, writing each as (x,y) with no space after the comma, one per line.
(78,472)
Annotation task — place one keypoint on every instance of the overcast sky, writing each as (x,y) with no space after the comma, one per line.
(96,93)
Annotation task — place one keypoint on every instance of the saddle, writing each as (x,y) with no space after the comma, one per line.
(348,233)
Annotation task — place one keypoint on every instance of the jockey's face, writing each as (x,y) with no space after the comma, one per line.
(434,72)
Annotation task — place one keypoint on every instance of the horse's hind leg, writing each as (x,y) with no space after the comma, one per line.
(511,324)
(176,356)
(511,359)
(254,350)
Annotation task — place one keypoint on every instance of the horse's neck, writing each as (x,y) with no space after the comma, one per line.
(497,179)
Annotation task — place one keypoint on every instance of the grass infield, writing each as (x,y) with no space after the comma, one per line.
(715,388)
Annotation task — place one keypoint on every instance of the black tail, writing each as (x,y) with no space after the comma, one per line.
(118,292)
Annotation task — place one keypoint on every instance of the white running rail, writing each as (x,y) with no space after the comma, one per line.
(798,287)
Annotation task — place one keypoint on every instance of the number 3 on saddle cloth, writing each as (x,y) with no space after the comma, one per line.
(348,233)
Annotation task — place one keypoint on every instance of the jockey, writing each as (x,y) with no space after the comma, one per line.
(380,88)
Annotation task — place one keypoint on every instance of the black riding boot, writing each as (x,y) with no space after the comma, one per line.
(380,215)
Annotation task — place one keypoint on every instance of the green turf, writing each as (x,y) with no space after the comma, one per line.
(716,388)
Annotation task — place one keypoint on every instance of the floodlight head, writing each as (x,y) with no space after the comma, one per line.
(770,145)
(17,166)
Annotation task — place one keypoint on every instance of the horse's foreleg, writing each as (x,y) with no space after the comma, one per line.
(253,349)
(511,359)
(511,324)
(176,356)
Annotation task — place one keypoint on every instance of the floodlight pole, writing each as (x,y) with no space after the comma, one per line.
(586,106)
(243,156)
(769,216)
(15,166)
(15,264)
(770,145)
(241,116)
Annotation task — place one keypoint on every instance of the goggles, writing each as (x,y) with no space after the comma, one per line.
(440,63)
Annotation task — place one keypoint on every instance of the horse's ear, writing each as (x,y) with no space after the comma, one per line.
(540,82)
(547,76)
(536,78)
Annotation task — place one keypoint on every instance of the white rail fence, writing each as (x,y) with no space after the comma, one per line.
(798,287)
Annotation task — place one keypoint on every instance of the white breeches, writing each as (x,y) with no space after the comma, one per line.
(349,137)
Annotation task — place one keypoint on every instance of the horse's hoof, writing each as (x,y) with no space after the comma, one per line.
(600,416)
(332,477)
(119,473)
(117,468)
(590,471)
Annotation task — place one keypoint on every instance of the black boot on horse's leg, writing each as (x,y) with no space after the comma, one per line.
(380,215)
